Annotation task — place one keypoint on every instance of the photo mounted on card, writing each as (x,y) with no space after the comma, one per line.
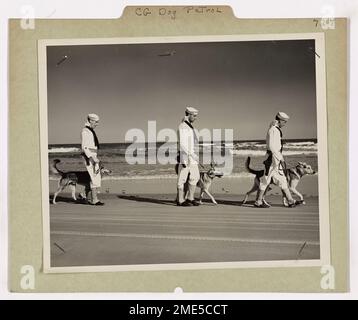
(172,156)
(184,152)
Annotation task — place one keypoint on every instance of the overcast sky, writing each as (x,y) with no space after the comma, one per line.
(238,85)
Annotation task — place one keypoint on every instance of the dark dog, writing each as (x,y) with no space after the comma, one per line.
(293,177)
(73,178)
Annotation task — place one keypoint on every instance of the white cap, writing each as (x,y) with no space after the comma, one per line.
(282,116)
(93,116)
(191,110)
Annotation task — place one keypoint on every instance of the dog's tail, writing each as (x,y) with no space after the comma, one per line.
(247,165)
(53,167)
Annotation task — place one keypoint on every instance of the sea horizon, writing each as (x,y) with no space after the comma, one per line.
(115,156)
(201,142)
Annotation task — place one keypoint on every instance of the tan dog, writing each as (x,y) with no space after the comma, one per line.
(73,178)
(205,181)
(293,177)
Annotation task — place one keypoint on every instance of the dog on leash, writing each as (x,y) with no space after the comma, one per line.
(204,183)
(293,176)
(73,178)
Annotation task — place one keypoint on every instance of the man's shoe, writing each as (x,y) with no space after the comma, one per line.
(262,205)
(194,203)
(299,202)
(292,205)
(186,203)
(98,203)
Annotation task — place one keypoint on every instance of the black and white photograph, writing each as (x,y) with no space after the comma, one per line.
(184,152)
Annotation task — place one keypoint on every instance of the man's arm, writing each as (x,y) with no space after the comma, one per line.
(86,140)
(184,141)
(275,143)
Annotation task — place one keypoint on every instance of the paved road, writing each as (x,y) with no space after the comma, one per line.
(151,229)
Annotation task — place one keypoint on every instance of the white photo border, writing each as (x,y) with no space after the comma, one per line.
(323,178)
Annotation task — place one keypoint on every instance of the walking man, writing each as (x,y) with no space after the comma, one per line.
(188,160)
(275,164)
(90,146)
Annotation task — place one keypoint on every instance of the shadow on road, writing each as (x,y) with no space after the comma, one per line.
(146,199)
(227,202)
(67,200)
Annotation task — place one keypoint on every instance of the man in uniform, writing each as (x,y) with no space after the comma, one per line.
(188,160)
(90,146)
(274,164)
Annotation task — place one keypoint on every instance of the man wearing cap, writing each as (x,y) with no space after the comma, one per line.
(90,146)
(274,164)
(188,160)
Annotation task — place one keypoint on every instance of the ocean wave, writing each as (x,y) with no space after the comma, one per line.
(301,147)
(304,143)
(247,152)
(247,144)
(64,150)
(254,147)
(259,153)
(309,146)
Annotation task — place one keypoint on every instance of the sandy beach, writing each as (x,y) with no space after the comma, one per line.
(238,186)
(140,224)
